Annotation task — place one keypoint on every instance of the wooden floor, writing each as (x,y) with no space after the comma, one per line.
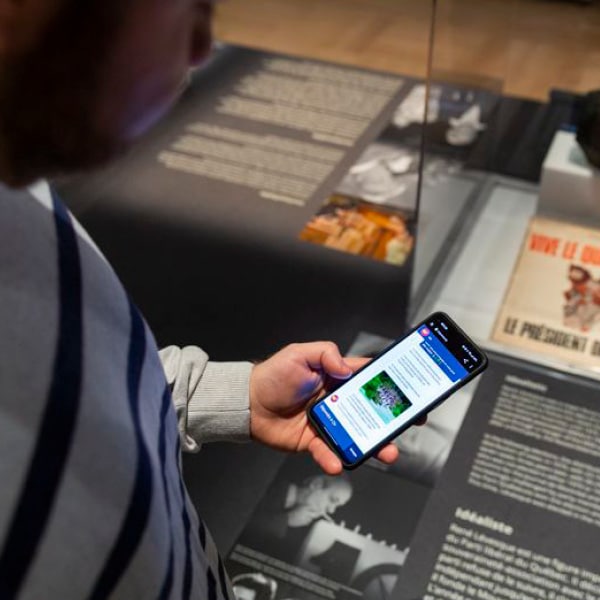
(519,47)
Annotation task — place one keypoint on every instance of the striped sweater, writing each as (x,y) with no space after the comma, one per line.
(92,422)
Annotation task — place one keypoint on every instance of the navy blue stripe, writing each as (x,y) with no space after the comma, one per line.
(138,510)
(167,585)
(202,534)
(45,472)
(187,567)
(212,585)
(162,444)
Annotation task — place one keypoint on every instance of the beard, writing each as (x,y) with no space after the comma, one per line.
(49,97)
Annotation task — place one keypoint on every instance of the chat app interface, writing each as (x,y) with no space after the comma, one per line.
(395,387)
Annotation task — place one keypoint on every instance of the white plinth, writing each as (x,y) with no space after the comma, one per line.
(570,186)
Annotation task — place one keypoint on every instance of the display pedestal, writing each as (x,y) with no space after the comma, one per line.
(570,185)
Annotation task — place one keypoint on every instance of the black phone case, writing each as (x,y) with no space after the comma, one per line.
(323,434)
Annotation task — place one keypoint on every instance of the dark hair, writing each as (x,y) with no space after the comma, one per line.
(62,71)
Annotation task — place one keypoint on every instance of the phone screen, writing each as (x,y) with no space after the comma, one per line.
(405,381)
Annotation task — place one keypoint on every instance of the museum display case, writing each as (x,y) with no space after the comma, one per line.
(340,169)
(510,277)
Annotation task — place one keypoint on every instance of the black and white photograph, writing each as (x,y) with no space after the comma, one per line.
(315,536)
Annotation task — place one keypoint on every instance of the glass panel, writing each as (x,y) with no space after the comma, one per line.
(508,91)
(283,166)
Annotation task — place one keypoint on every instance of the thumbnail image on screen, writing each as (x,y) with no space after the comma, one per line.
(387,398)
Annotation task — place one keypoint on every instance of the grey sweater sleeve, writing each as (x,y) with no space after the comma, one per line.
(211,398)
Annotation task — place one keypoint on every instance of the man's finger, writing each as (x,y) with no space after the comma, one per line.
(322,355)
(356,362)
(324,457)
(389,454)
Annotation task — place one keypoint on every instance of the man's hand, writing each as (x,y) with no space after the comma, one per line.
(281,387)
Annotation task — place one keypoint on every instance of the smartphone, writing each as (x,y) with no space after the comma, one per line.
(400,385)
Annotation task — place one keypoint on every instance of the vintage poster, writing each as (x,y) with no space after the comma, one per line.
(552,305)
(315,537)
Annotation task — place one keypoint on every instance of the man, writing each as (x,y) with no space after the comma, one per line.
(92,502)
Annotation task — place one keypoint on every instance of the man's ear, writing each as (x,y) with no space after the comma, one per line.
(22,23)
